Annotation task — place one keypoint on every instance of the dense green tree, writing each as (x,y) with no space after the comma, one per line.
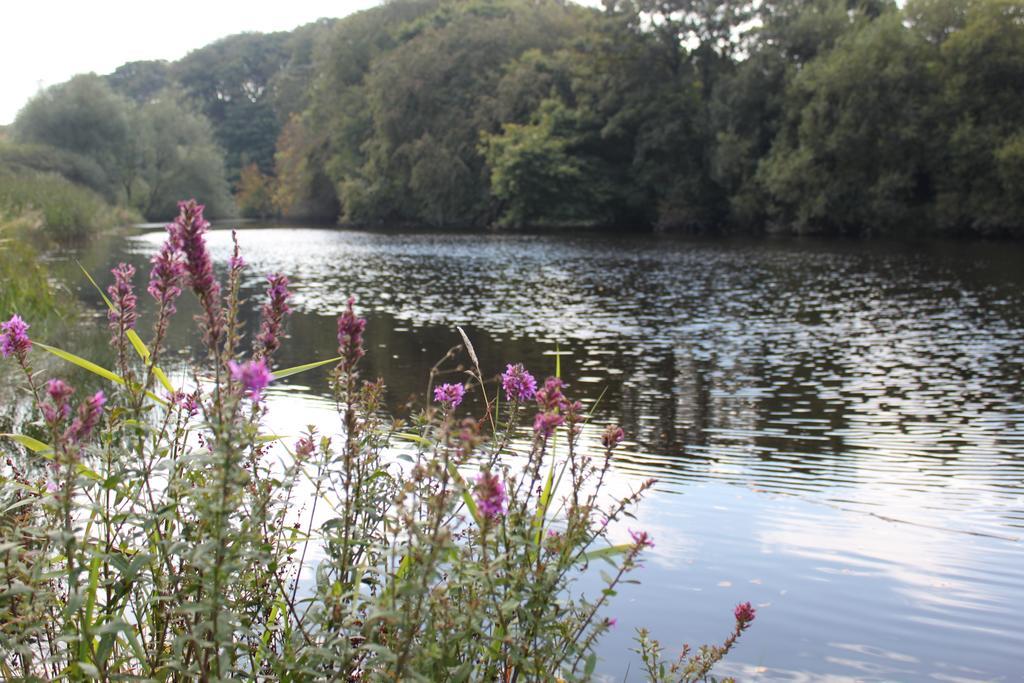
(852,153)
(414,104)
(86,118)
(533,173)
(176,158)
(229,81)
(141,81)
(979,163)
(254,194)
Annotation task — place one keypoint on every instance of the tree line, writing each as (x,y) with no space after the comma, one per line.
(805,116)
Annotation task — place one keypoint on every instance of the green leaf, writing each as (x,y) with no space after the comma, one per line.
(106,300)
(28,442)
(140,348)
(82,363)
(288,372)
(423,441)
(606,553)
(466,497)
(93,368)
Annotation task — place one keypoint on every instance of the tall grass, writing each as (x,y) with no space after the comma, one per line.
(65,211)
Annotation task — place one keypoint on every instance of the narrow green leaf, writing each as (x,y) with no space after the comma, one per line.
(606,553)
(82,363)
(90,605)
(413,437)
(109,303)
(466,497)
(92,367)
(288,372)
(403,567)
(28,442)
(265,638)
(143,351)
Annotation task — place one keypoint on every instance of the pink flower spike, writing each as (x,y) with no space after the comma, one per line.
(642,539)
(253,375)
(14,338)
(449,394)
(89,414)
(490,495)
(519,385)
(744,614)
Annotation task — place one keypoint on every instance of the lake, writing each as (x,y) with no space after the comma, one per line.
(837,428)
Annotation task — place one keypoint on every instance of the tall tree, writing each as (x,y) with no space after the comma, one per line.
(229,81)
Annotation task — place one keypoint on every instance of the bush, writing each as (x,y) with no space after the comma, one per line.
(25,289)
(66,211)
(155,534)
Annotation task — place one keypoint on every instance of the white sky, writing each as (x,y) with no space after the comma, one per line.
(44,42)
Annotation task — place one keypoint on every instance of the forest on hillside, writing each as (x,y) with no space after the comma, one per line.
(853,117)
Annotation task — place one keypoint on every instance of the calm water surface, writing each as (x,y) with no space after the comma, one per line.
(837,428)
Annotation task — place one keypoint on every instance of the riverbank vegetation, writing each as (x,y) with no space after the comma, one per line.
(155,530)
(804,116)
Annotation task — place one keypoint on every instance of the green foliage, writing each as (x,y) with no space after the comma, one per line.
(229,81)
(408,104)
(982,72)
(141,82)
(84,117)
(31,158)
(852,153)
(26,288)
(531,170)
(175,156)
(255,193)
(142,155)
(825,116)
(62,210)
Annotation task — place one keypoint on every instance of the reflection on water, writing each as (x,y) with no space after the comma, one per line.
(838,429)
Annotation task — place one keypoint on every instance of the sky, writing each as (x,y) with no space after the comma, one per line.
(43,43)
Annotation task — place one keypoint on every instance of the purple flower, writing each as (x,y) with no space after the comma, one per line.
(449,394)
(642,539)
(88,417)
(253,375)
(14,338)
(490,495)
(611,621)
(57,409)
(166,276)
(273,313)
(304,447)
(744,614)
(519,385)
(550,396)
(544,424)
(187,232)
(350,337)
(123,316)
(612,436)
(188,403)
